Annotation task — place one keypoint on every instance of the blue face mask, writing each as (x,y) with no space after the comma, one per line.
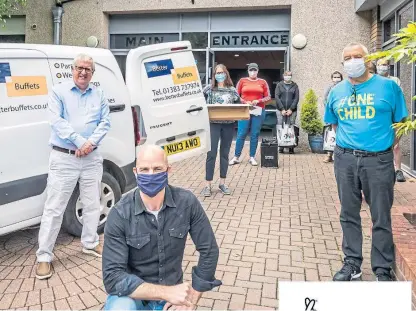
(152,184)
(220,77)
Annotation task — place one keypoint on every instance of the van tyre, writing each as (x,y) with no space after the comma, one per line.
(109,196)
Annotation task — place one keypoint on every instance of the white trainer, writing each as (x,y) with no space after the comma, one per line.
(253,162)
(234,161)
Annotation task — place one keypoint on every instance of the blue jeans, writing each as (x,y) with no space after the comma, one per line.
(254,126)
(127,303)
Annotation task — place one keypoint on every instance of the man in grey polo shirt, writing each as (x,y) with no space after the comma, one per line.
(144,243)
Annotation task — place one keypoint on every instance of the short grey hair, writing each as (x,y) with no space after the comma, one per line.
(83,58)
(362,46)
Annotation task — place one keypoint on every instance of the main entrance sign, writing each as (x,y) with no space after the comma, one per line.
(131,41)
(250,39)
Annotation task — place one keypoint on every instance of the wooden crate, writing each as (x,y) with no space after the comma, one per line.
(234,112)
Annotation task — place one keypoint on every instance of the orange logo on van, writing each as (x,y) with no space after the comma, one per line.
(184,75)
(26,86)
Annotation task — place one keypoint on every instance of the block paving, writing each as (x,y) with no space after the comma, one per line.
(278,224)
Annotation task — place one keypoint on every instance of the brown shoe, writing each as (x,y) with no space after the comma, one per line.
(44,270)
(328,159)
(96,251)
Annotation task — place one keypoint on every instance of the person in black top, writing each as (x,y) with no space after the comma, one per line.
(287,100)
(144,243)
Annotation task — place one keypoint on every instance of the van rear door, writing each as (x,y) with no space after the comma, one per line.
(163,80)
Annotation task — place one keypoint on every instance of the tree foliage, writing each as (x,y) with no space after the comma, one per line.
(7,7)
(310,119)
(404,50)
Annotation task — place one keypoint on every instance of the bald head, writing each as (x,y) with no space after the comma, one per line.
(151,159)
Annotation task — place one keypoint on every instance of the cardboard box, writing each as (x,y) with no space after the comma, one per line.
(233,112)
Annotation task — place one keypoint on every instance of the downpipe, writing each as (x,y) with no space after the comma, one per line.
(57,13)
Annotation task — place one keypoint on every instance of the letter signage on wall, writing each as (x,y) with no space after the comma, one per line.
(135,40)
(250,39)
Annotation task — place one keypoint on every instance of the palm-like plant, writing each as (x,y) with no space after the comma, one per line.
(405,49)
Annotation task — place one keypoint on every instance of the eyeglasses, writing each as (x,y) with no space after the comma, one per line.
(253,69)
(354,95)
(81,69)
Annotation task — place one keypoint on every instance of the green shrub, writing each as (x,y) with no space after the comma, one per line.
(310,120)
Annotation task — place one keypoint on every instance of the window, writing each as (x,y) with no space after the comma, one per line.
(12,38)
(389,29)
(201,63)
(404,73)
(121,60)
(199,40)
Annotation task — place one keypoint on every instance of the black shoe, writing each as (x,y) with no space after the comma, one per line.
(281,150)
(349,272)
(400,176)
(291,150)
(384,277)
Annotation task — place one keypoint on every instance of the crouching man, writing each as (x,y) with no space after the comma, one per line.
(144,243)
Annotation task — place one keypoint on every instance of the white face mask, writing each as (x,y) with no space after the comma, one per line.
(252,74)
(382,69)
(336,80)
(355,67)
(287,78)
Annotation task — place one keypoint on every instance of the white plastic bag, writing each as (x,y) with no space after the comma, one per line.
(329,139)
(256,111)
(286,135)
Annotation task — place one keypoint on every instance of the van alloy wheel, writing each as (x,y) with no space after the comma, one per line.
(107,201)
(109,196)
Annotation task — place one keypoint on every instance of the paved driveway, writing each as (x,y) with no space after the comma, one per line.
(278,224)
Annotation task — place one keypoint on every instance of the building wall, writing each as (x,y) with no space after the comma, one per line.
(327,25)
(39,13)
(375,44)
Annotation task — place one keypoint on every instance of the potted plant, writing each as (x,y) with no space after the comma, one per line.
(311,122)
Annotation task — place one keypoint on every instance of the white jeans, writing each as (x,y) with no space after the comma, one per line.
(65,171)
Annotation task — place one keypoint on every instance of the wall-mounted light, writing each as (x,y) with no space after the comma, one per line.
(299,41)
(92,42)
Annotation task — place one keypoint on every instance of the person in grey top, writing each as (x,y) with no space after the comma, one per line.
(144,243)
(287,100)
(336,77)
(220,91)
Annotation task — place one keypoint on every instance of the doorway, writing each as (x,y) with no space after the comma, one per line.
(272,64)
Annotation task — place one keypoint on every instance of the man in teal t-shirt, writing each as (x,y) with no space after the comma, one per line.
(363,109)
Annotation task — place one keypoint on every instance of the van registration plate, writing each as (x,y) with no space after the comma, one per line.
(182,146)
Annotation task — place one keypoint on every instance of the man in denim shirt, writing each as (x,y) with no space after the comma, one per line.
(79,118)
(145,237)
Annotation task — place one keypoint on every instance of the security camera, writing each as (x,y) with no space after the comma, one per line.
(34,27)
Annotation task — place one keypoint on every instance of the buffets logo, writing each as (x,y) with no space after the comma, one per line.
(164,67)
(17,86)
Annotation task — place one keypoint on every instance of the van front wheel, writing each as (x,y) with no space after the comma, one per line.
(109,196)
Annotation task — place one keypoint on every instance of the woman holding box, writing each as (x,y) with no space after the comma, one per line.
(220,91)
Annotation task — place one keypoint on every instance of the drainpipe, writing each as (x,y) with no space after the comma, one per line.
(57,12)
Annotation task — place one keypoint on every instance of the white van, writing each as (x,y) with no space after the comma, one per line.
(161,79)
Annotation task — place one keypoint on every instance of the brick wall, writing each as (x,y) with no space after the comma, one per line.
(375,31)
